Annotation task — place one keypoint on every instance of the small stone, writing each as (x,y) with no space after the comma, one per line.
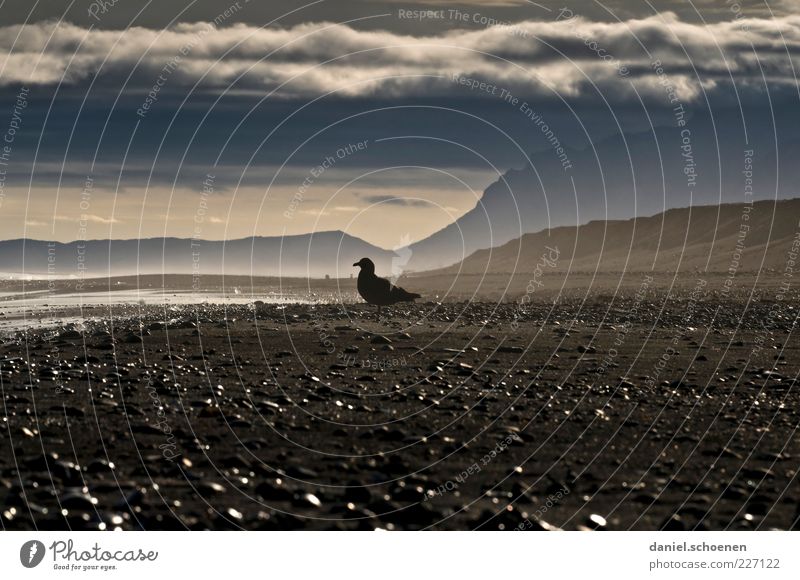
(510,349)
(78,501)
(597,522)
(311,499)
(210,487)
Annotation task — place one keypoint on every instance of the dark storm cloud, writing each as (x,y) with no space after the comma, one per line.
(171,121)
(375,14)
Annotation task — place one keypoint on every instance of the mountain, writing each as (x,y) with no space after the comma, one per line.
(714,238)
(309,255)
(619,177)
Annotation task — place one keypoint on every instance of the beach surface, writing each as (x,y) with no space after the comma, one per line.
(639,410)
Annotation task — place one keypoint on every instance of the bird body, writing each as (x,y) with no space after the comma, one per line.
(379,291)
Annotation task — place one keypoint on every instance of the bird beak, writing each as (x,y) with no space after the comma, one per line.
(356,264)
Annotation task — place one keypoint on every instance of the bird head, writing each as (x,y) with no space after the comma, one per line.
(365,264)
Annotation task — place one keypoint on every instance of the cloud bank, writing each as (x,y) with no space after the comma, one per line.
(569,58)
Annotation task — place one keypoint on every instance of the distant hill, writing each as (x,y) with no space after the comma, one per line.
(309,255)
(619,177)
(713,238)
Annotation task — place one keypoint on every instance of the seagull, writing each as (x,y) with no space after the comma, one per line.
(379,291)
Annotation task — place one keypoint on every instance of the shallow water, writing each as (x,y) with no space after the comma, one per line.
(42,308)
(42,298)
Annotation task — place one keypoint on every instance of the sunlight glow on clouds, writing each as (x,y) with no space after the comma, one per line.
(552,57)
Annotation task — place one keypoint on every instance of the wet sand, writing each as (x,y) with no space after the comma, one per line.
(638,412)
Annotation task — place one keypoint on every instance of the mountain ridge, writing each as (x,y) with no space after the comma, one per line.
(705,237)
(316,255)
(648,177)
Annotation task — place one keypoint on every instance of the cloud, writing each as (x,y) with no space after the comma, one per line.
(96,219)
(532,59)
(393,200)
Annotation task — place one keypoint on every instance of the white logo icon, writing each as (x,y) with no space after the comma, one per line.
(31,553)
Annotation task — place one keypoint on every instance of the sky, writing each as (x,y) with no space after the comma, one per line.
(220,119)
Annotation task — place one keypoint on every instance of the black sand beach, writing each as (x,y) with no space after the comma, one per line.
(644,410)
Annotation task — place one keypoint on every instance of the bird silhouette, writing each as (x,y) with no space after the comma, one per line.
(379,291)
